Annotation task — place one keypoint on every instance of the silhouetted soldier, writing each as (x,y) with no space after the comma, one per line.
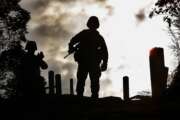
(32,83)
(91,55)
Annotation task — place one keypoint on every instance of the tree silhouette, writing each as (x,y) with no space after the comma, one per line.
(13,20)
(170,9)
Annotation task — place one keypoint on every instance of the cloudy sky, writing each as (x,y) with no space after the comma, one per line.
(127,30)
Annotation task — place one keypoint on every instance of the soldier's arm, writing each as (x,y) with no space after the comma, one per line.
(104,51)
(75,40)
(43,64)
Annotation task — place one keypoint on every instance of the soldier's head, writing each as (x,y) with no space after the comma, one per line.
(31,46)
(93,22)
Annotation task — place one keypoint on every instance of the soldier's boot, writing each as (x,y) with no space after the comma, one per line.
(95,88)
(80,90)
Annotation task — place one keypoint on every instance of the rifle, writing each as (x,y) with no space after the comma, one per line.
(69,54)
(73,50)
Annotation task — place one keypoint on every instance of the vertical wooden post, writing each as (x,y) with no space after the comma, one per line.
(51,82)
(126,88)
(58,84)
(158,72)
(71,87)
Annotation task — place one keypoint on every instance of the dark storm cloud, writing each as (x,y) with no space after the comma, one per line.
(40,5)
(140,16)
(34,5)
(53,31)
(56,28)
(110,9)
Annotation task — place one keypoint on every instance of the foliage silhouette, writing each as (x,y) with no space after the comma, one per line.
(13,21)
(169,8)
(10,62)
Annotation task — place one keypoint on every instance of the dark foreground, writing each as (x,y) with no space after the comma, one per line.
(68,107)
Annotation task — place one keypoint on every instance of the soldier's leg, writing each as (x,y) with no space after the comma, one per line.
(94,76)
(81,78)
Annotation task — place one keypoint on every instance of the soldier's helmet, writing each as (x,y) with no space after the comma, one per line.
(31,45)
(93,22)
